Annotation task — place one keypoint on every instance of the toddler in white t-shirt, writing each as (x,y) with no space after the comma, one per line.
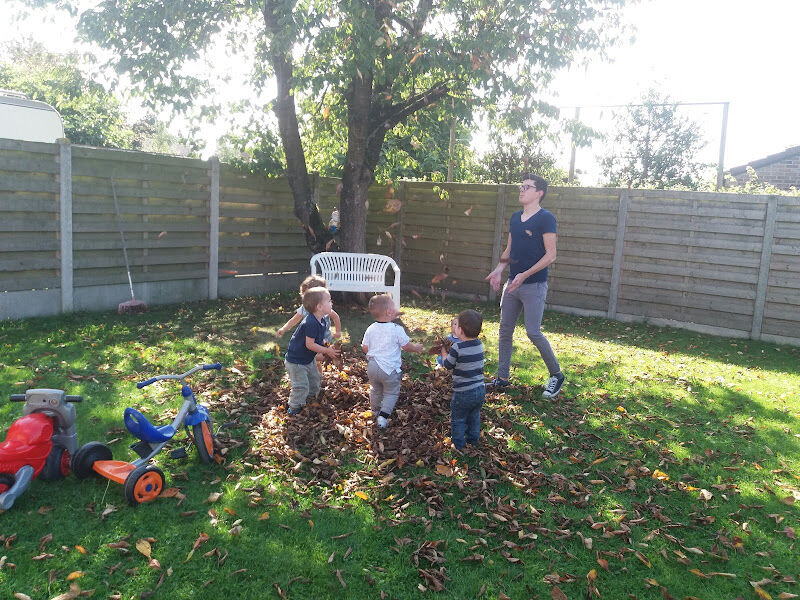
(383,341)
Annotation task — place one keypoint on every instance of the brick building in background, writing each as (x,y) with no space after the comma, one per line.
(781,170)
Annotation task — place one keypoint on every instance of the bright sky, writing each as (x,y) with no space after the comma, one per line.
(737,51)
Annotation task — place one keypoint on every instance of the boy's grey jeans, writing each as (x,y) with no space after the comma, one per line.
(384,388)
(529,297)
(305,380)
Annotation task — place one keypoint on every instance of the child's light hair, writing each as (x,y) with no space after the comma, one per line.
(312,298)
(380,304)
(313,281)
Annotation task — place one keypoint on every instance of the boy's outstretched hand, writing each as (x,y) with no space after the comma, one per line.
(412,347)
(332,351)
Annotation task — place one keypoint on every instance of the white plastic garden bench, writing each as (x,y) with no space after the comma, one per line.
(354,272)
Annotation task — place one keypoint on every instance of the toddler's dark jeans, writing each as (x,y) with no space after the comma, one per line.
(465,416)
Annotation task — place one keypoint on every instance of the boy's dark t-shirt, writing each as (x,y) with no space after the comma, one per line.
(527,244)
(297,352)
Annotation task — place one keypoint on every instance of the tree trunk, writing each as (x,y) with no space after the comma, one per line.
(305,208)
(356,175)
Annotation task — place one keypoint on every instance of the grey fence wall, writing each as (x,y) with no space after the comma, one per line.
(196,229)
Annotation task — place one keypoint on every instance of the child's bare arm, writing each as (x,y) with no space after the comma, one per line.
(319,349)
(412,347)
(337,325)
(289,324)
(365,348)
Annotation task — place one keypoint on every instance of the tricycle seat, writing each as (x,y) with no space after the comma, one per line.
(143,429)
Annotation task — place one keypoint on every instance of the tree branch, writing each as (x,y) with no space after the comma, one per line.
(414,103)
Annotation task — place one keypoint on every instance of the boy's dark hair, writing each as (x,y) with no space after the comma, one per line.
(541,183)
(470,322)
(313,296)
(379,304)
(312,281)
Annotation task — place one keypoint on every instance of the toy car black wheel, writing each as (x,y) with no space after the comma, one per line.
(57,465)
(203,434)
(6,481)
(86,456)
(144,484)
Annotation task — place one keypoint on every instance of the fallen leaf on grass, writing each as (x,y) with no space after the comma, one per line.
(44,556)
(557,594)
(202,539)
(143,546)
(339,577)
(473,557)
(49,538)
(761,593)
(444,470)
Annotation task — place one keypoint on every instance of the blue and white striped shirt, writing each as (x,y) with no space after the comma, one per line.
(466,360)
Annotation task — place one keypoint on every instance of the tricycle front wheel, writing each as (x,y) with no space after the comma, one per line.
(203,434)
(85,457)
(144,484)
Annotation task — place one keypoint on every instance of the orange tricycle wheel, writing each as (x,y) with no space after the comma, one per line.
(203,434)
(144,484)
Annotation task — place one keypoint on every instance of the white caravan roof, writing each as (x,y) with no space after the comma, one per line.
(29,120)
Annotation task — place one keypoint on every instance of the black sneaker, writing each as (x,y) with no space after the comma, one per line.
(498,384)
(295,411)
(554,385)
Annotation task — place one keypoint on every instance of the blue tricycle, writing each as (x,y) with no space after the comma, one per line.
(143,481)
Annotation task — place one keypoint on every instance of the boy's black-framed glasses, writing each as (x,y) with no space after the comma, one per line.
(525,188)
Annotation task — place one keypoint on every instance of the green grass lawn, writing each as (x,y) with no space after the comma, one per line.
(668,468)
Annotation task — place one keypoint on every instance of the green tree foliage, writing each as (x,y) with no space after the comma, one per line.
(506,162)
(253,146)
(91,115)
(654,147)
(417,148)
(371,64)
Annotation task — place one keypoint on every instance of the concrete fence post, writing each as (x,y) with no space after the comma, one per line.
(499,219)
(619,251)
(213,232)
(65,206)
(763,269)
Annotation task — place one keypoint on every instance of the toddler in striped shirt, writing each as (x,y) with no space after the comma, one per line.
(466,360)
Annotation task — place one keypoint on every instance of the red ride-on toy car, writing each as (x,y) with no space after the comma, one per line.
(39,443)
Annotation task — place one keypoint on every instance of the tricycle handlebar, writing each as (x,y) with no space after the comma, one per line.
(142,384)
(18,397)
(74,398)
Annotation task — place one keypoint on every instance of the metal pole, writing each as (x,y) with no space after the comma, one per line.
(572,155)
(721,163)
